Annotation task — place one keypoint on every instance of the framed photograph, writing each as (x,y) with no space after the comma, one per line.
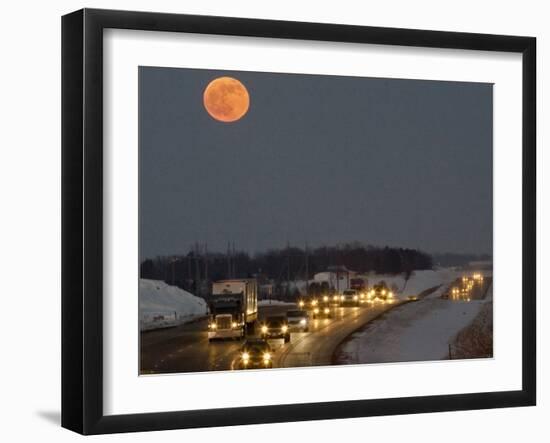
(269,221)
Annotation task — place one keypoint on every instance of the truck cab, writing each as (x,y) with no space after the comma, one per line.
(233,307)
(223,326)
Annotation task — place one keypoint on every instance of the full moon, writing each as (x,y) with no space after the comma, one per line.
(226,99)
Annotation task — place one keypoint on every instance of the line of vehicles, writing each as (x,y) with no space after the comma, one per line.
(234,315)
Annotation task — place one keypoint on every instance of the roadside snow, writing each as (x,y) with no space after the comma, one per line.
(418,331)
(418,282)
(162,305)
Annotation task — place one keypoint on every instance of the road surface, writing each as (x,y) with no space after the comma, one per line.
(186,348)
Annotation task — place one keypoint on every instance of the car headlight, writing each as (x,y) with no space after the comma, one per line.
(264,329)
(245,356)
(355,297)
(325,298)
(301,304)
(327,310)
(390,294)
(316,310)
(383,292)
(303,321)
(342,298)
(213,325)
(234,325)
(284,328)
(335,297)
(314,303)
(267,356)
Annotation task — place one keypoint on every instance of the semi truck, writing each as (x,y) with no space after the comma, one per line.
(233,308)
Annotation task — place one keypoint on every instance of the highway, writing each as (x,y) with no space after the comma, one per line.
(186,348)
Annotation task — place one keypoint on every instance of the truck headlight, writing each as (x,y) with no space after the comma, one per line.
(355,297)
(284,328)
(301,304)
(303,321)
(264,329)
(213,325)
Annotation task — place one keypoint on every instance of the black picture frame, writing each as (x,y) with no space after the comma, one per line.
(82,220)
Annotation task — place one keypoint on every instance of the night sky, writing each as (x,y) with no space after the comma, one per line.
(322,159)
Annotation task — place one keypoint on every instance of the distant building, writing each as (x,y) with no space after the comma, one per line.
(337,277)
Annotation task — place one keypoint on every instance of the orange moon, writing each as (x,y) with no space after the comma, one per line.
(226,99)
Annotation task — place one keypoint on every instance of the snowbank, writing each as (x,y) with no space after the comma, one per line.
(419,331)
(162,305)
(418,282)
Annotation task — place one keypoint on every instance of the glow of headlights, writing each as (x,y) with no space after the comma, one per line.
(234,324)
(327,310)
(264,329)
(316,310)
(342,298)
(267,356)
(303,321)
(355,297)
(245,356)
(284,328)
(301,304)
(325,298)
(213,325)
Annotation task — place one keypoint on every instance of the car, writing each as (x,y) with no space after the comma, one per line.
(298,320)
(382,292)
(275,327)
(322,311)
(350,297)
(255,354)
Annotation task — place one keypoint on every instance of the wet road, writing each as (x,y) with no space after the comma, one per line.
(467,289)
(317,347)
(186,348)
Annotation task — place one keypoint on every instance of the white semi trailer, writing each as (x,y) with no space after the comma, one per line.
(233,308)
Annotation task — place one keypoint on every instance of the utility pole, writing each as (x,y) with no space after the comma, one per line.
(288,268)
(197,271)
(189,269)
(307,271)
(206,262)
(228,261)
(173,271)
(234,263)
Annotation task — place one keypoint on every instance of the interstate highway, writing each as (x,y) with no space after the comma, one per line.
(186,348)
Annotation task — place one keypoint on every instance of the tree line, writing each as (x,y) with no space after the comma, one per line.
(199,267)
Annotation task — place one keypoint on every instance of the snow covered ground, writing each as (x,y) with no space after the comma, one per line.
(162,305)
(418,282)
(418,331)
